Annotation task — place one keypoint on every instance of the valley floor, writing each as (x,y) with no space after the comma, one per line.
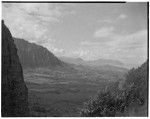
(63,92)
(58,98)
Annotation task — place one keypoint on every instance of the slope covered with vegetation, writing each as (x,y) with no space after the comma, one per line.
(130,100)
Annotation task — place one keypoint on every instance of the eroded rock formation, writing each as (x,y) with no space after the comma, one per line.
(34,56)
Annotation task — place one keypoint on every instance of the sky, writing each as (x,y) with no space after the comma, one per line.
(87,30)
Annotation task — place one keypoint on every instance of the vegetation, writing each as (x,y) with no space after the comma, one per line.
(112,101)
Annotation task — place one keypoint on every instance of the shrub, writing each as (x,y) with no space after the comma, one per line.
(101,105)
(109,102)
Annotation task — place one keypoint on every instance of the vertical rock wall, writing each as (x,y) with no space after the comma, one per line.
(14,91)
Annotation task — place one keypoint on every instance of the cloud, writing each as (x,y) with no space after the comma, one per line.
(135,40)
(105,21)
(57,51)
(112,20)
(104,32)
(89,43)
(121,16)
(32,21)
(92,53)
(81,53)
(127,48)
(51,47)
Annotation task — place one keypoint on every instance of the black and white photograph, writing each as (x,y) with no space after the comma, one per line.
(74,59)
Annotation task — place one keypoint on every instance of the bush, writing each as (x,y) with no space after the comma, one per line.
(113,100)
(102,105)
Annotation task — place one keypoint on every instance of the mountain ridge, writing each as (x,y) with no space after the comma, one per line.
(33,56)
(98,62)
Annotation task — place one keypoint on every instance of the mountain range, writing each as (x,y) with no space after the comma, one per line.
(33,56)
(95,63)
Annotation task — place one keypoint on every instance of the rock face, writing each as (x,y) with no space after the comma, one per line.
(33,56)
(14,90)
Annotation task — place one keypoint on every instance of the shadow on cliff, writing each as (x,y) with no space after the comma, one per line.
(14,90)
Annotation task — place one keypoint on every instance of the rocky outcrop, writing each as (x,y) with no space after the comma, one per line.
(34,56)
(14,90)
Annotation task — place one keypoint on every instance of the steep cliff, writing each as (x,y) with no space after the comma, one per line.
(33,56)
(14,90)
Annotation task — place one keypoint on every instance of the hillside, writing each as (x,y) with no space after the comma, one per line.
(131,100)
(137,87)
(33,56)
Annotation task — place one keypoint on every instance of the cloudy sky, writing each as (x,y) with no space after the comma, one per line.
(87,30)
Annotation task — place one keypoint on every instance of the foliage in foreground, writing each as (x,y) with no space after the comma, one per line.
(114,100)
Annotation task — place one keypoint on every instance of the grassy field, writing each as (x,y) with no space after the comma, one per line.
(60,94)
(59,99)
